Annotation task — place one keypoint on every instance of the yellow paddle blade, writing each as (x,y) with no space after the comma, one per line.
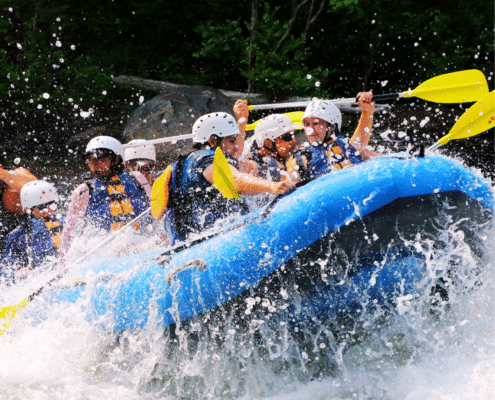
(456,87)
(478,118)
(159,193)
(222,176)
(7,315)
(295,116)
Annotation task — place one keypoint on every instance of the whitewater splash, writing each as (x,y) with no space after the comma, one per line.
(437,344)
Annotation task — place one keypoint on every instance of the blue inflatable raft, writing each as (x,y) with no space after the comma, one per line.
(334,246)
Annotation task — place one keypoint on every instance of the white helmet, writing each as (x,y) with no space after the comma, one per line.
(35,193)
(272,127)
(219,123)
(324,110)
(105,142)
(143,152)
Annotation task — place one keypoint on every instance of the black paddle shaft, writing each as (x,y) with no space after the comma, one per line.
(386,96)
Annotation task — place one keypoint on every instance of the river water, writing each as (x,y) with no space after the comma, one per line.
(414,353)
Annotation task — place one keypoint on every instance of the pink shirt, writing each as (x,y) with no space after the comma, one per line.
(78,204)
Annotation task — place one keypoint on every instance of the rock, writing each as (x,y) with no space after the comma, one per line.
(172,114)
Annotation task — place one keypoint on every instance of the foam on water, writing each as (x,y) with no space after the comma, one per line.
(422,350)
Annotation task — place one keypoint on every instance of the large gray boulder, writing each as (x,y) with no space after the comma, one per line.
(174,113)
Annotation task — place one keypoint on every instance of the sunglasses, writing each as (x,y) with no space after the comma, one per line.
(287,137)
(96,155)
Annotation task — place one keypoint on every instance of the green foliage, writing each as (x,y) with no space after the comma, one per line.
(343,3)
(225,49)
(400,44)
(59,54)
(222,52)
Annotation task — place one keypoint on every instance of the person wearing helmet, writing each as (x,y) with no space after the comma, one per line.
(194,202)
(275,141)
(141,159)
(108,201)
(328,150)
(30,244)
(11,214)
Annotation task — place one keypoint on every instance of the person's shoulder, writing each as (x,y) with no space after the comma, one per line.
(16,233)
(202,158)
(202,153)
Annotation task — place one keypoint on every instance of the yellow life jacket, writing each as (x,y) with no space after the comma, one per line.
(120,205)
(336,154)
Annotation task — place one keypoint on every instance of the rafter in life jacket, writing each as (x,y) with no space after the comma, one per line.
(336,155)
(120,205)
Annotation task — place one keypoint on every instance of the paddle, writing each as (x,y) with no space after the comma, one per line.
(222,176)
(295,116)
(160,140)
(478,118)
(7,314)
(159,193)
(455,87)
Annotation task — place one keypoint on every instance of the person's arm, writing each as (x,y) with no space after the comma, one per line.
(241,112)
(363,131)
(248,184)
(365,153)
(362,134)
(74,221)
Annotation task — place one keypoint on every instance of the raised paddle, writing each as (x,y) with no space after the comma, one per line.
(158,141)
(455,87)
(295,116)
(7,314)
(476,119)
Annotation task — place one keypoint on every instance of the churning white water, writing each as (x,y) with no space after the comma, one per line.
(426,348)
